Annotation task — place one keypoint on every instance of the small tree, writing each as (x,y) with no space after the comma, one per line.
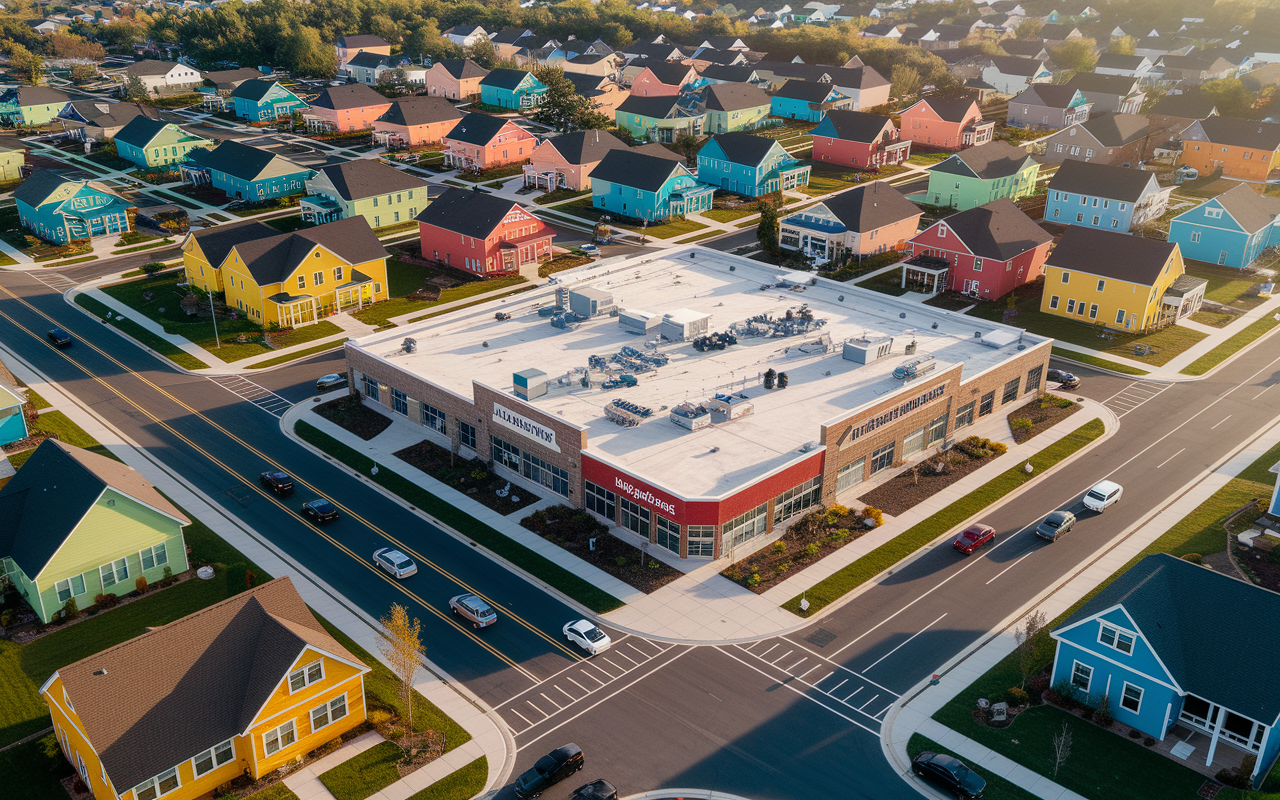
(904,80)
(401,646)
(1061,748)
(688,144)
(1123,45)
(767,230)
(1025,639)
(70,610)
(135,90)
(26,63)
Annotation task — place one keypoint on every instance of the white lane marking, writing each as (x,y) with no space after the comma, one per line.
(1224,419)
(779,658)
(850,697)
(615,666)
(592,677)
(855,673)
(869,702)
(811,669)
(790,669)
(766,652)
(1172,457)
(580,686)
(535,708)
(523,717)
(1264,391)
(801,693)
(837,686)
(904,644)
(1006,569)
(572,699)
(627,657)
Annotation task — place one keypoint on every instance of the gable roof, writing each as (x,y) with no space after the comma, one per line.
(1118,61)
(150,67)
(1103,84)
(419,110)
(216,243)
(1049,95)
(658,107)
(109,115)
(1101,180)
(1252,210)
(162,697)
(42,183)
(504,78)
(49,496)
(1117,130)
(658,150)
(245,162)
(867,207)
(586,147)
(1191,105)
(952,109)
(368,60)
(986,161)
(272,259)
(476,128)
(721,72)
(670,73)
(1186,613)
(467,212)
(37,95)
(255,89)
(362,40)
(141,130)
(510,35)
(735,97)
(855,126)
(1111,255)
(354,95)
(1016,65)
(1241,132)
(636,169)
(463,68)
(806,91)
(998,230)
(1016,47)
(365,177)
(744,148)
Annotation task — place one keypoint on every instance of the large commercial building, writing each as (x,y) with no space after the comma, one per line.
(696,399)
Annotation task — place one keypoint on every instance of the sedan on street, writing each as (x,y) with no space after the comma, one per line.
(475,610)
(1102,495)
(587,636)
(548,770)
(598,789)
(331,381)
(59,338)
(950,773)
(277,483)
(973,537)
(1064,379)
(320,511)
(1058,523)
(395,563)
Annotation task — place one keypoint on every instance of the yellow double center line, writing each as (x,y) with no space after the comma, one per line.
(255,487)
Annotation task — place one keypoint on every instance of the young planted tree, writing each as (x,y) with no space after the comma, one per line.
(401,646)
(1061,748)
(135,90)
(1024,637)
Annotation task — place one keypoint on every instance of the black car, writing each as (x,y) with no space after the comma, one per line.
(1065,380)
(598,789)
(320,511)
(277,482)
(551,768)
(59,338)
(950,773)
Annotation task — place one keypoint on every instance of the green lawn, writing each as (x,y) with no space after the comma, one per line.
(997,787)
(1231,346)
(673,227)
(559,195)
(158,344)
(60,426)
(276,792)
(922,533)
(362,775)
(886,283)
(825,180)
(730,214)
(1227,285)
(32,771)
(1214,319)
(464,784)
(287,224)
(1093,361)
(294,356)
(404,278)
(926,159)
(35,399)
(701,236)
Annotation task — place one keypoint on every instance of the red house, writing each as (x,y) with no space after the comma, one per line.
(480,141)
(988,251)
(482,233)
(947,123)
(867,141)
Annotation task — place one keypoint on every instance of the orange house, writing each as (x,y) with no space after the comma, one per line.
(480,141)
(1244,149)
(415,120)
(946,123)
(347,108)
(455,79)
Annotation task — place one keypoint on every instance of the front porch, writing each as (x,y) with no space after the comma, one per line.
(691,200)
(319,209)
(1190,748)
(548,180)
(816,238)
(460,159)
(890,154)
(927,274)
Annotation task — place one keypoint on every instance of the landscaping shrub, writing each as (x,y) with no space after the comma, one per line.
(1017,424)
(1064,694)
(1102,715)
(811,549)
(977,447)
(1016,696)
(779,547)
(106,600)
(152,267)
(1194,558)
(1134,733)
(70,610)
(141,584)
(873,513)
(1148,741)
(1037,686)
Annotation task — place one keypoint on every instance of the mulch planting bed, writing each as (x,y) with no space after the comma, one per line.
(928,477)
(1043,413)
(351,415)
(471,477)
(573,530)
(808,540)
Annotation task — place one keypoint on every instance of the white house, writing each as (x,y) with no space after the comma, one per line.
(465,35)
(163,74)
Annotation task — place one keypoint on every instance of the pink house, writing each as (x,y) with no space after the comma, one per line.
(347,108)
(566,161)
(661,79)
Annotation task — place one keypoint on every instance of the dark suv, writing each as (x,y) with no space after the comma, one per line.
(277,482)
(59,338)
(551,768)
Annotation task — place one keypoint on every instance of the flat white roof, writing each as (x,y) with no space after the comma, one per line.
(455,349)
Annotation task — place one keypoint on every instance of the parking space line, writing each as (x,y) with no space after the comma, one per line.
(811,669)
(593,677)
(779,658)
(572,699)
(798,663)
(627,657)
(766,652)
(535,708)
(837,686)
(642,654)
(850,697)
(549,700)
(622,671)
(869,702)
(523,717)
(580,686)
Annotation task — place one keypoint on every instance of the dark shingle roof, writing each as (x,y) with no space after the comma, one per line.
(505,78)
(1252,210)
(1118,61)
(1117,130)
(273,259)
(586,147)
(744,148)
(231,78)
(1186,106)
(952,109)
(150,67)
(987,161)
(141,130)
(1049,95)
(158,699)
(38,95)
(998,230)
(365,177)
(1015,65)
(866,208)
(735,97)
(1111,255)
(463,68)
(857,126)
(668,72)
(54,489)
(634,169)
(254,89)
(368,60)
(1215,634)
(805,91)
(657,107)
(420,111)
(509,35)
(216,243)
(1092,82)
(1100,180)
(245,162)
(1242,132)
(720,72)
(362,40)
(1015,47)
(476,128)
(355,95)
(467,212)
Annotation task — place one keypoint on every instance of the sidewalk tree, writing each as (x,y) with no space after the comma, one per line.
(135,90)
(1061,748)
(401,646)
(767,230)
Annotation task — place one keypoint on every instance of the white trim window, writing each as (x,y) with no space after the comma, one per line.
(1131,698)
(328,713)
(274,741)
(1116,638)
(302,678)
(71,587)
(115,572)
(213,758)
(153,557)
(158,786)
(1081,676)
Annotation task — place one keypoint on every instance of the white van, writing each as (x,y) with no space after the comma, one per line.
(1102,495)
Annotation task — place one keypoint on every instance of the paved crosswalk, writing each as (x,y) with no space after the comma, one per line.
(264,399)
(54,280)
(1134,395)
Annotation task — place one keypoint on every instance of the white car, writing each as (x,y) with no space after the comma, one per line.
(590,249)
(395,563)
(1102,495)
(586,635)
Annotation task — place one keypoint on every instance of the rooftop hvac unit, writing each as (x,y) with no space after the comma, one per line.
(999,338)
(730,406)
(866,349)
(588,302)
(690,416)
(683,324)
(640,322)
(529,383)
(915,368)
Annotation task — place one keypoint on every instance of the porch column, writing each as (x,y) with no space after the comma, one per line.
(1217,727)
(1262,748)
(1164,729)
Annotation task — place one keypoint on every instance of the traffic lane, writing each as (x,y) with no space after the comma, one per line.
(296,381)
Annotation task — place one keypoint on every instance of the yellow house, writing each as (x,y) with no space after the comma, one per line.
(239,688)
(289,278)
(1124,282)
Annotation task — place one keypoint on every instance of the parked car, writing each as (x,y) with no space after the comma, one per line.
(1102,495)
(973,537)
(276,482)
(590,249)
(395,563)
(1058,523)
(950,773)
(59,338)
(587,636)
(598,789)
(480,613)
(320,511)
(331,381)
(550,769)
(1065,380)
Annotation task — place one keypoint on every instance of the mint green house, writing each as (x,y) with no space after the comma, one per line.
(29,106)
(155,143)
(74,524)
(976,176)
(661,118)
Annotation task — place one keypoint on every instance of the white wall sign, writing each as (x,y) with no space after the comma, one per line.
(523,425)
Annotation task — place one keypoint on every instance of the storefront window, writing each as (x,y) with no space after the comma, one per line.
(548,475)
(937,430)
(1010,391)
(882,458)
(965,415)
(635,518)
(433,418)
(668,534)
(370,387)
(987,404)
(504,454)
(399,402)
(797,500)
(602,501)
(748,526)
(913,442)
(702,541)
(466,435)
(850,475)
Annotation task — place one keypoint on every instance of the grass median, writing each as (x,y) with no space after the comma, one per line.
(159,344)
(1231,346)
(294,356)
(1093,361)
(535,564)
(917,536)
(464,784)
(361,776)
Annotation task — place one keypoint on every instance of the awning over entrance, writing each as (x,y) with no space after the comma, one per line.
(294,310)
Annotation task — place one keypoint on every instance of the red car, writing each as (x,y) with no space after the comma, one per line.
(974,536)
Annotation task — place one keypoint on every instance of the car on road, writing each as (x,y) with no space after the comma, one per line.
(1064,379)
(1102,495)
(480,613)
(59,338)
(1058,523)
(586,635)
(950,773)
(277,483)
(331,381)
(395,563)
(599,789)
(973,537)
(590,249)
(550,769)
(319,511)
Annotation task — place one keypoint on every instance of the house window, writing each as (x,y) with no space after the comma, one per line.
(375,202)
(1118,639)
(1033,379)
(154,557)
(1093,311)
(1213,213)
(977,265)
(329,712)
(433,418)
(158,786)
(1060,146)
(882,458)
(466,435)
(1010,391)
(302,678)
(213,758)
(1095,219)
(1079,217)
(1115,223)
(965,415)
(71,587)
(337,274)
(797,499)
(1053,302)
(113,573)
(370,387)
(1131,699)
(1120,316)
(1066,277)
(280,738)
(1081,676)
(302,281)
(377,222)
(850,475)
(601,501)
(399,402)
(986,404)
(317,279)
(1071,306)
(1195,237)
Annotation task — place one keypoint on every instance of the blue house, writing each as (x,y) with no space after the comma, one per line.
(1176,649)
(245,173)
(512,88)
(750,165)
(1231,229)
(13,423)
(643,186)
(261,100)
(1097,195)
(808,100)
(60,210)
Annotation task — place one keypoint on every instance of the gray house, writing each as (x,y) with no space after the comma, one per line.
(1113,93)
(1048,106)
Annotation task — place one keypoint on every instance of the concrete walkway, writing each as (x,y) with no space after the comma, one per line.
(305,783)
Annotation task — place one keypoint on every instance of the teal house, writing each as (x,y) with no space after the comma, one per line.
(59,210)
(647,187)
(1231,229)
(155,143)
(808,100)
(245,173)
(662,118)
(516,89)
(13,424)
(750,165)
(74,524)
(29,106)
(263,100)
(976,176)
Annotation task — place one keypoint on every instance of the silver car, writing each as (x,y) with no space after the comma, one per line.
(472,608)
(395,563)
(1058,523)
(331,381)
